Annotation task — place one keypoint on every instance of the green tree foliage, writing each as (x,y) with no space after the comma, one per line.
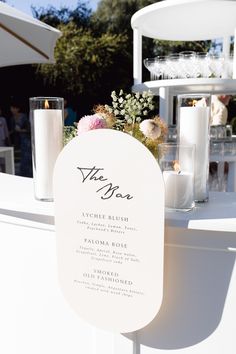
(94,55)
(85,64)
(80,15)
(167,47)
(115,16)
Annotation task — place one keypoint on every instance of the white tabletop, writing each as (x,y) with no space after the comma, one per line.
(218,214)
(17,199)
(188,20)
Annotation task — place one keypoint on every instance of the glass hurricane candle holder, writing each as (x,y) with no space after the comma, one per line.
(47,117)
(177,164)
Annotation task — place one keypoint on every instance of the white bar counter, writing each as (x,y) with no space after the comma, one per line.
(199,305)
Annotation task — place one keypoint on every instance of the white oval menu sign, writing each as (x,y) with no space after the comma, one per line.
(109,201)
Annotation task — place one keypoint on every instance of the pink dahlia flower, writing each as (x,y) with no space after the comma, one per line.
(90,122)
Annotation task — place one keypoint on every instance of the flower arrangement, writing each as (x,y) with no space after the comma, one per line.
(132,113)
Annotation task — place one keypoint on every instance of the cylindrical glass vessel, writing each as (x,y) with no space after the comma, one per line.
(177,164)
(193,128)
(47,117)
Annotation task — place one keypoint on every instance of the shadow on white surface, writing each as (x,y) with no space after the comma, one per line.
(196,284)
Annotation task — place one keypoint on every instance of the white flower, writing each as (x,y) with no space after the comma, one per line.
(113,96)
(121,99)
(122,112)
(108,108)
(116,112)
(146,94)
(129,121)
(150,129)
(139,106)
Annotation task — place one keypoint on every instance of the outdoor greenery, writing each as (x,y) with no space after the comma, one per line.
(167,47)
(88,65)
(93,57)
(80,15)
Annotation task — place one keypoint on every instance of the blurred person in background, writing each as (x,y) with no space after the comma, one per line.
(4,138)
(219,111)
(21,138)
(69,114)
(4,133)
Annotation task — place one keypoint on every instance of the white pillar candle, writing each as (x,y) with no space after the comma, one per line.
(193,129)
(178,189)
(48,143)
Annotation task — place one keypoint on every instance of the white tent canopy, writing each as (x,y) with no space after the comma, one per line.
(24,39)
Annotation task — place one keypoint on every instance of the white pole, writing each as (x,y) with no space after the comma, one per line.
(226,53)
(164,104)
(234,61)
(137,56)
(226,46)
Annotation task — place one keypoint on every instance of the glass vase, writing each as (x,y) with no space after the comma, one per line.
(47,117)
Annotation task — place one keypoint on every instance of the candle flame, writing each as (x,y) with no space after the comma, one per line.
(193,103)
(46,104)
(176,166)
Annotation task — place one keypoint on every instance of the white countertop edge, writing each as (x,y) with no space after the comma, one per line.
(19,221)
(220,225)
